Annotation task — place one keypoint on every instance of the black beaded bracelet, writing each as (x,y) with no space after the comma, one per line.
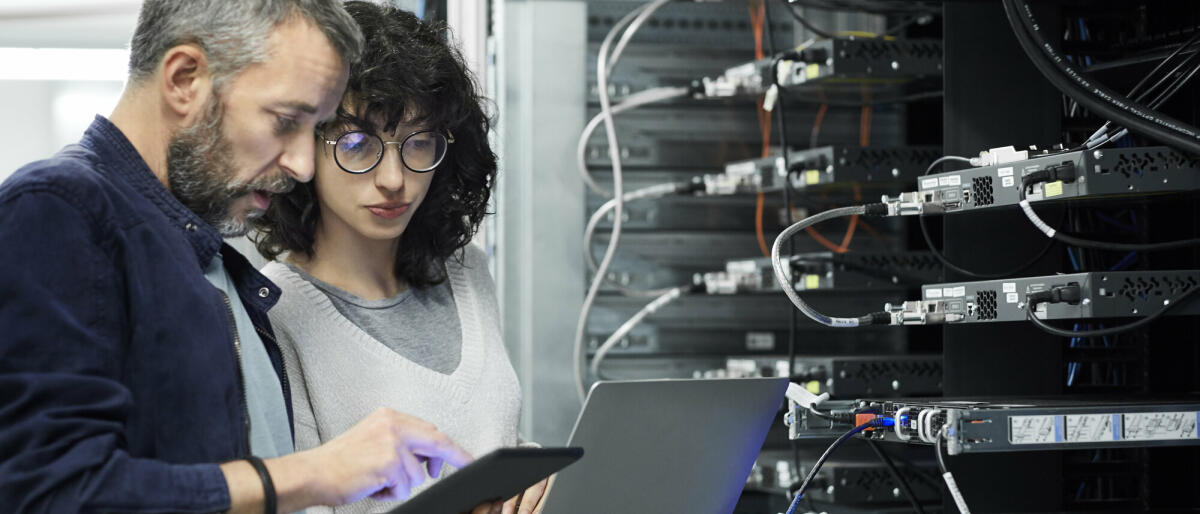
(270,500)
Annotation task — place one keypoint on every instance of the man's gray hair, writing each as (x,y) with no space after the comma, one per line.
(232,33)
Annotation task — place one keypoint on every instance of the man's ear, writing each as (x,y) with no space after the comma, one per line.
(186,81)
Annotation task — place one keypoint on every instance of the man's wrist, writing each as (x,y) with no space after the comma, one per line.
(298,482)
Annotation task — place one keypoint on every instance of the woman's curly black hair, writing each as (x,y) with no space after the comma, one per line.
(408,74)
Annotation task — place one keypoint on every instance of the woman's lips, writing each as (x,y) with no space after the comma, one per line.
(388,212)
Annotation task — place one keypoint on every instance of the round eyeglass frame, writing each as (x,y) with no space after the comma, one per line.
(448,136)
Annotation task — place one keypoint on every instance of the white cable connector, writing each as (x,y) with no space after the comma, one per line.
(803,397)
(904,204)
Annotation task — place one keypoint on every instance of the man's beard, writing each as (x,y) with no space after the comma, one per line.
(201,173)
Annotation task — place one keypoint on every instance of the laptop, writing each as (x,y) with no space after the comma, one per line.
(665,446)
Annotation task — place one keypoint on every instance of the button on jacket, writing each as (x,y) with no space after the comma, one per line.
(119,380)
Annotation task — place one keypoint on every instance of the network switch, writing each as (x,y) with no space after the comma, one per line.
(823,271)
(823,166)
(1015,424)
(849,376)
(846,65)
(1108,172)
(1114,294)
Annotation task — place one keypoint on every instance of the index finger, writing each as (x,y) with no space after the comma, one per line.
(440,447)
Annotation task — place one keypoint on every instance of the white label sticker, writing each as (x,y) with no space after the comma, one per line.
(929,183)
(952,180)
(960,291)
(1088,428)
(1030,429)
(951,292)
(1011,297)
(1007,182)
(741,168)
(1004,172)
(933,293)
(1148,426)
(1010,287)
(760,341)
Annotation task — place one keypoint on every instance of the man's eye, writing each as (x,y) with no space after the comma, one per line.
(284,124)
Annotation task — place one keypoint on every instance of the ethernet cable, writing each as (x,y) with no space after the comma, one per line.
(1066,173)
(634,20)
(877,422)
(1071,294)
(906,204)
(650,308)
(639,99)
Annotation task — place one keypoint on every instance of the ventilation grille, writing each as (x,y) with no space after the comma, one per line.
(986,305)
(1156,288)
(875,49)
(899,262)
(1132,164)
(886,159)
(981,191)
(872,370)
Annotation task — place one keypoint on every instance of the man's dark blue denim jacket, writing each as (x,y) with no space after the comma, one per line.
(119,382)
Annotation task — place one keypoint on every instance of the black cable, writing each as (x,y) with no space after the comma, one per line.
(966,272)
(1092,95)
(1078,242)
(806,23)
(1170,91)
(1046,327)
(812,473)
(887,461)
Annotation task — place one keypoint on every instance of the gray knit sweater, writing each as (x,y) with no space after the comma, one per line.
(339,374)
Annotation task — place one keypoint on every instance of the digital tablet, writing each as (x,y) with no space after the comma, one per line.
(499,475)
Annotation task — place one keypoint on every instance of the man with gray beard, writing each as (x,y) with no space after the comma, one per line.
(138,369)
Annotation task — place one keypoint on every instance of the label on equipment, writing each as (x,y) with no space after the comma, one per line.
(741,168)
(812,71)
(951,292)
(812,281)
(1007,182)
(1004,172)
(1011,297)
(1150,426)
(812,177)
(759,341)
(933,293)
(1031,429)
(929,183)
(1088,428)
(1053,189)
(1010,287)
(952,180)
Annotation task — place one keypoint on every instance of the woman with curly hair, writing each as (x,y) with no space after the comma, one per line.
(385,301)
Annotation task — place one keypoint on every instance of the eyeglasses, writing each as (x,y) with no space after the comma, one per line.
(359,151)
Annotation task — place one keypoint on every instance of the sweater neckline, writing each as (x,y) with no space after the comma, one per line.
(456,384)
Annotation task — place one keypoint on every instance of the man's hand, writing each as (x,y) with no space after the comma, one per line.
(384,456)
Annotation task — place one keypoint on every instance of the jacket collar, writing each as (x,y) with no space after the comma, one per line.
(121,159)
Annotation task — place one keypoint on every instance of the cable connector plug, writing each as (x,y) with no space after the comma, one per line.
(803,397)
(905,204)
(1070,293)
(1064,172)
